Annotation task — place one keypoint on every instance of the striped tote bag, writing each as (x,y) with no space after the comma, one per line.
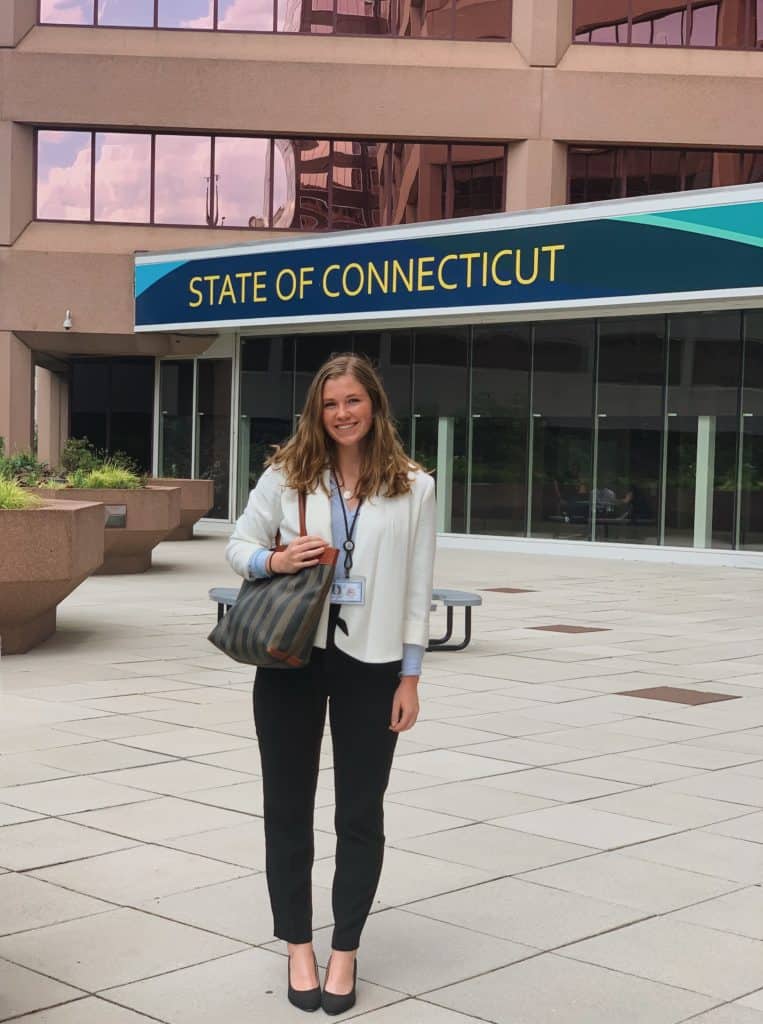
(274,620)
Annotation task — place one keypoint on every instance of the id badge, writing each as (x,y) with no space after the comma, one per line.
(349,591)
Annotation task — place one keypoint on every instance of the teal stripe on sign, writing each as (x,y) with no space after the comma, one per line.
(740,223)
(149,273)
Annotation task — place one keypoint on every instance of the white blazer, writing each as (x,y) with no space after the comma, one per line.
(394,553)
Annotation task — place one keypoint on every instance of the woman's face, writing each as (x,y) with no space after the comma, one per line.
(347,410)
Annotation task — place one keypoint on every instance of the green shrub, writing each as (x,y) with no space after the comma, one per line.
(79,454)
(13,496)
(106,475)
(23,467)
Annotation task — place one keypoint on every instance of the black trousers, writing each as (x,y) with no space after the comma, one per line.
(289,716)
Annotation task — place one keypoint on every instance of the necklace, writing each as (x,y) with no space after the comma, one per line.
(346,492)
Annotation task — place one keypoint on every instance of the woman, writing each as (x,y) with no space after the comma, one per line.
(366,498)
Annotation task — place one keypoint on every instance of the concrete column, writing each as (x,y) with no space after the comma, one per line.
(52,415)
(703,486)
(16,393)
(16,180)
(536,174)
(445,432)
(16,18)
(542,31)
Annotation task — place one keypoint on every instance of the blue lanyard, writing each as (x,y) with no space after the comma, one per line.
(348,545)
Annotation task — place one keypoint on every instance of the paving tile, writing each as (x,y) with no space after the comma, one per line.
(660,803)
(400,822)
(84,1011)
(706,853)
(712,963)
(245,797)
(14,816)
(471,800)
(740,790)
(626,768)
(595,740)
(67,796)
(134,875)
(236,989)
(413,1011)
(754,1000)
(740,912)
(549,988)
(410,876)
(553,784)
(677,695)
(444,954)
(492,848)
(96,756)
(749,826)
(523,912)
(238,909)
(29,903)
(730,1013)
(528,752)
(621,878)
(175,778)
(577,823)
(22,991)
(46,841)
(189,742)
(28,739)
(112,727)
(114,948)
(21,769)
(242,845)
(453,764)
(160,818)
(243,759)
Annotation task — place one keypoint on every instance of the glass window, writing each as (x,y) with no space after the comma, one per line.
(751,476)
(284,183)
(311,175)
(704,25)
(704,372)
(499,429)
(606,173)
(440,403)
(175,417)
(122,177)
(363,17)
(186,14)
(183,192)
(562,434)
(241,171)
(630,418)
(437,19)
(267,411)
(243,16)
(63,175)
(478,180)
(213,405)
(483,19)
(131,13)
(67,12)
(354,185)
(601,21)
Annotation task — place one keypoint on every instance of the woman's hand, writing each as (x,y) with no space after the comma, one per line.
(405,704)
(300,554)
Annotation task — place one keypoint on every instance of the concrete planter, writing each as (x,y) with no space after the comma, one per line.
(44,554)
(196,499)
(135,520)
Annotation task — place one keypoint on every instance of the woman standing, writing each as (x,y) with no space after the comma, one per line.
(366,498)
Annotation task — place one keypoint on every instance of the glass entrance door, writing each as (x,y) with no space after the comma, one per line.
(213,413)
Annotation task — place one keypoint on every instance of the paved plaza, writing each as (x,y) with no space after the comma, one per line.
(556,850)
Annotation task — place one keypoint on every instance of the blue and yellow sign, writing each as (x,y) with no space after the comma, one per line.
(657,250)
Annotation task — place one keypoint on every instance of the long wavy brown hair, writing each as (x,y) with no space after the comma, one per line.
(307,454)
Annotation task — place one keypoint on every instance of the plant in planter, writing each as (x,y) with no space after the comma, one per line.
(47,548)
(137,515)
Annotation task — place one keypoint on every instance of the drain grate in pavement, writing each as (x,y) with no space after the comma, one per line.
(678,695)
(506,590)
(561,628)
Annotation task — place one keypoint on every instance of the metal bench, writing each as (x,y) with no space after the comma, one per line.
(225,597)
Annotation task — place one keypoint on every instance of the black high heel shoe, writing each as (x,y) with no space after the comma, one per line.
(333,1003)
(304,999)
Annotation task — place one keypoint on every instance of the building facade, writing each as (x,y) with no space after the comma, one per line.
(149,125)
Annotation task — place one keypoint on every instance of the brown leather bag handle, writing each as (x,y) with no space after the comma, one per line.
(302,522)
